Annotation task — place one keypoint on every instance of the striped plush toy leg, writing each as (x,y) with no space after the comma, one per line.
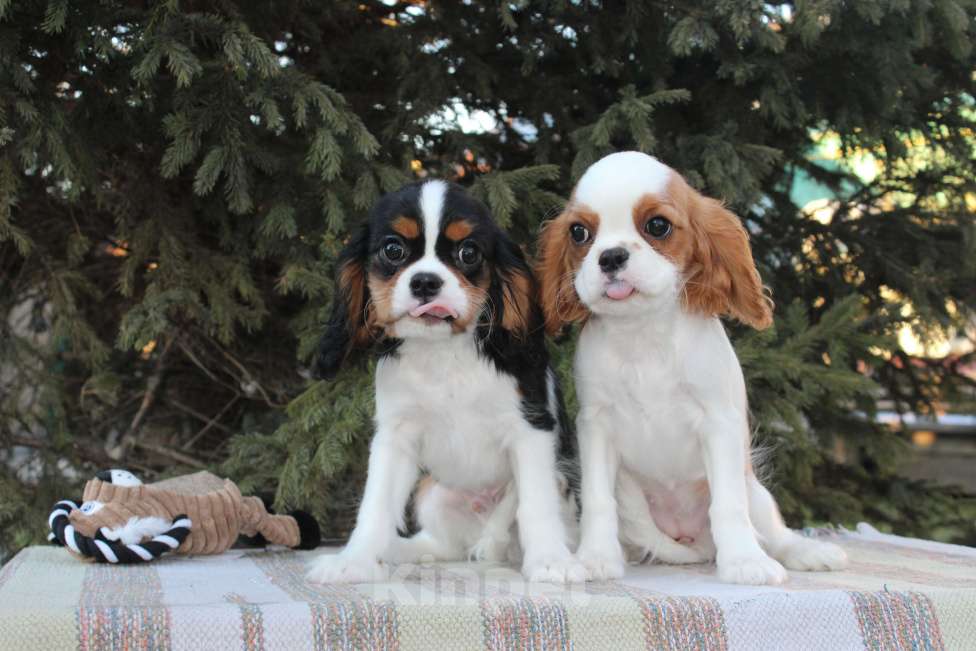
(61,509)
(103,550)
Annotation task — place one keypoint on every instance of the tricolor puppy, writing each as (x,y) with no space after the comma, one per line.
(649,265)
(463,391)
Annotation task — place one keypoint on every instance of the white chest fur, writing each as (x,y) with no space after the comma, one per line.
(650,382)
(451,408)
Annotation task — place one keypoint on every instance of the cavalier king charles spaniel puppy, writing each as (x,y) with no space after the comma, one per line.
(649,266)
(464,391)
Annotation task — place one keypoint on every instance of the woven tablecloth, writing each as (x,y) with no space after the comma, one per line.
(897,594)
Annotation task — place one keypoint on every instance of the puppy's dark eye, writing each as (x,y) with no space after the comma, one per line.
(579,233)
(658,227)
(469,254)
(393,250)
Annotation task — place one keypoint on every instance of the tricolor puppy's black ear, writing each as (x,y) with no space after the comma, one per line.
(348,328)
(513,290)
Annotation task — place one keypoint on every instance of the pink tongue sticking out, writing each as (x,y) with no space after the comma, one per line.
(434,309)
(619,290)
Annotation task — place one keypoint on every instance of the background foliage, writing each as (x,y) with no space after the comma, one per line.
(177,177)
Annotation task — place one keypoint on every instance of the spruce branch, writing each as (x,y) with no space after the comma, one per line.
(169,453)
(118,450)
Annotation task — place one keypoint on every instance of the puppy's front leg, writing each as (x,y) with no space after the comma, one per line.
(541,529)
(391,475)
(739,557)
(599,549)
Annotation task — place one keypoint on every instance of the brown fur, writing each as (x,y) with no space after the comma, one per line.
(559,258)
(477,295)
(458,230)
(715,256)
(381,297)
(352,278)
(676,247)
(407,227)
(517,297)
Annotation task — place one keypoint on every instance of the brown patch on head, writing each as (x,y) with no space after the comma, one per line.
(559,259)
(406,227)
(716,259)
(477,293)
(381,302)
(676,246)
(517,289)
(458,230)
(352,284)
(517,302)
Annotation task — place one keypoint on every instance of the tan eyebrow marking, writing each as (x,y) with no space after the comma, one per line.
(458,230)
(408,228)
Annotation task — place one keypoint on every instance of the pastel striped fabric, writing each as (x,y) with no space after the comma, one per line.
(897,594)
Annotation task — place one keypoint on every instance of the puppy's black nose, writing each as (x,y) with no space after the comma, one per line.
(425,285)
(613,259)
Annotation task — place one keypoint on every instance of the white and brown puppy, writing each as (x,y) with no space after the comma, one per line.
(464,391)
(649,265)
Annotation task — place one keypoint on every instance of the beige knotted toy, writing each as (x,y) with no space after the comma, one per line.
(123,520)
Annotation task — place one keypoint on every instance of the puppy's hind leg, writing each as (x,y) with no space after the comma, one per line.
(496,536)
(793,550)
(638,529)
(441,528)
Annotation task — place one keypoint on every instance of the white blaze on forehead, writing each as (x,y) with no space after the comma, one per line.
(431,208)
(613,184)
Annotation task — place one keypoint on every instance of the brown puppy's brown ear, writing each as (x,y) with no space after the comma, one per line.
(557,295)
(515,290)
(348,328)
(722,276)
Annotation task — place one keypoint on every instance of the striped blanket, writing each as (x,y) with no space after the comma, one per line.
(897,594)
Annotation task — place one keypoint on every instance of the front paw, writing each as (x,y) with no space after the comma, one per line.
(554,568)
(490,549)
(757,569)
(337,568)
(602,566)
(808,555)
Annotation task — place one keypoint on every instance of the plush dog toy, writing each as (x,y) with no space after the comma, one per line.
(122,520)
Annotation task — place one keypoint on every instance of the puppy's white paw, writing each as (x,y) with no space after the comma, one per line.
(808,555)
(337,568)
(600,567)
(554,569)
(489,548)
(751,570)
(602,564)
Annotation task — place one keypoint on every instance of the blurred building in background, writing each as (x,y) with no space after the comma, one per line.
(943,442)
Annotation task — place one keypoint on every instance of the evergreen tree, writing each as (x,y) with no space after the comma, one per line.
(176,179)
